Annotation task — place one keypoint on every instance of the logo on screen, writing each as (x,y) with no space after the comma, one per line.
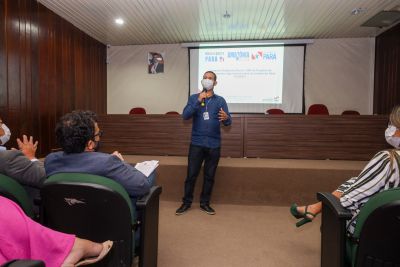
(239,55)
(260,55)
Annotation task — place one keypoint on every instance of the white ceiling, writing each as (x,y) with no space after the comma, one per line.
(177,21)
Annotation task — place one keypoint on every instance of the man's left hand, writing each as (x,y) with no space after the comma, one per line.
(27,146)
(222,116)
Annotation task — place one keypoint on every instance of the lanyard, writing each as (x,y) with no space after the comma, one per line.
(208,103)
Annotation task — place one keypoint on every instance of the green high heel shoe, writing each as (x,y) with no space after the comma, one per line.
(305,219)
(294,212)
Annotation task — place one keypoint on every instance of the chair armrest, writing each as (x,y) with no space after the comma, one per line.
(333,203)
(148,207)
(333,231)
(155,192)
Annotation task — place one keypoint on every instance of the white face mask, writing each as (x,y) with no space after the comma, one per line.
(392,140)
(207,84)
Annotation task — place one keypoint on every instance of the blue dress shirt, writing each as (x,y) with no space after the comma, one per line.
(206,132)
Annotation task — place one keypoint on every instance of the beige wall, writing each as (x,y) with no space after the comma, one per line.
(338,73)
(129,85)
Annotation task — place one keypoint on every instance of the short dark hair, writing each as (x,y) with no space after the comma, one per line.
(213,73)
(75,129)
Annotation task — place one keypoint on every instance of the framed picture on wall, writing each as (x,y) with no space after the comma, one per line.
(155,62)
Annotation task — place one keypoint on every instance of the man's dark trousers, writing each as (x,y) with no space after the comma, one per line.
(198,154)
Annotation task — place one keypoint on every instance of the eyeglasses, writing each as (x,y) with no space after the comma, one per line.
(99,134)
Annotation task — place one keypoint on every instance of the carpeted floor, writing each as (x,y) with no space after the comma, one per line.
(238,235)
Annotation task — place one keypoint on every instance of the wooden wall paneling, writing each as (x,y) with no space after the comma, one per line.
(387,71)
(35,101)
(3,62)
(94,78)
(98,79)
(145,134)
(88,80)
(66,96)
(84,78)
(14,55)
(41,75)
(315,137)
(54,75)
(44,61)
(94,105)
(86,70)
(279,136)
(78,71)
(91,101)
(24,56)
(232,138)
(58,88)
(103,78)
(161,135)
(27,115)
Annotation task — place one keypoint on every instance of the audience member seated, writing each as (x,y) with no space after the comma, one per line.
(275,111)
(26,239)
(5,134)
(350,112)
(137,110)
(380,174)
(23,166)
(318,109)
(78,134)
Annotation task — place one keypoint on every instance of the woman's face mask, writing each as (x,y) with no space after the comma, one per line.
(392,140)
(207,84)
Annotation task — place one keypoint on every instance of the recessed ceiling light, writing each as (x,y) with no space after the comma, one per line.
(119,21)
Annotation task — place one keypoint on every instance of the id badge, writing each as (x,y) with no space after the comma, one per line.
(206,116)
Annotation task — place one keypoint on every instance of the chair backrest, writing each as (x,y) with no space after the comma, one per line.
(172,113)
(14,191)
(92,207)
(275,111)
(377,230)
(318,109)
(350,112)
(137,110)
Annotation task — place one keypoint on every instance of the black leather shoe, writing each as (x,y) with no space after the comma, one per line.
(207,209)
(182,209)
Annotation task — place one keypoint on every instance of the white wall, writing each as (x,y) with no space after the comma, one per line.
(129,85)
(338,73)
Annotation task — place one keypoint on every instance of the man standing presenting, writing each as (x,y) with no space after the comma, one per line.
(208,110)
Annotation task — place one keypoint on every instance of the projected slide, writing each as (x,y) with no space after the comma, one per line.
(242,70)
(252,79)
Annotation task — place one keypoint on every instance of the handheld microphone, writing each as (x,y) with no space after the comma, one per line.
(203,101)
